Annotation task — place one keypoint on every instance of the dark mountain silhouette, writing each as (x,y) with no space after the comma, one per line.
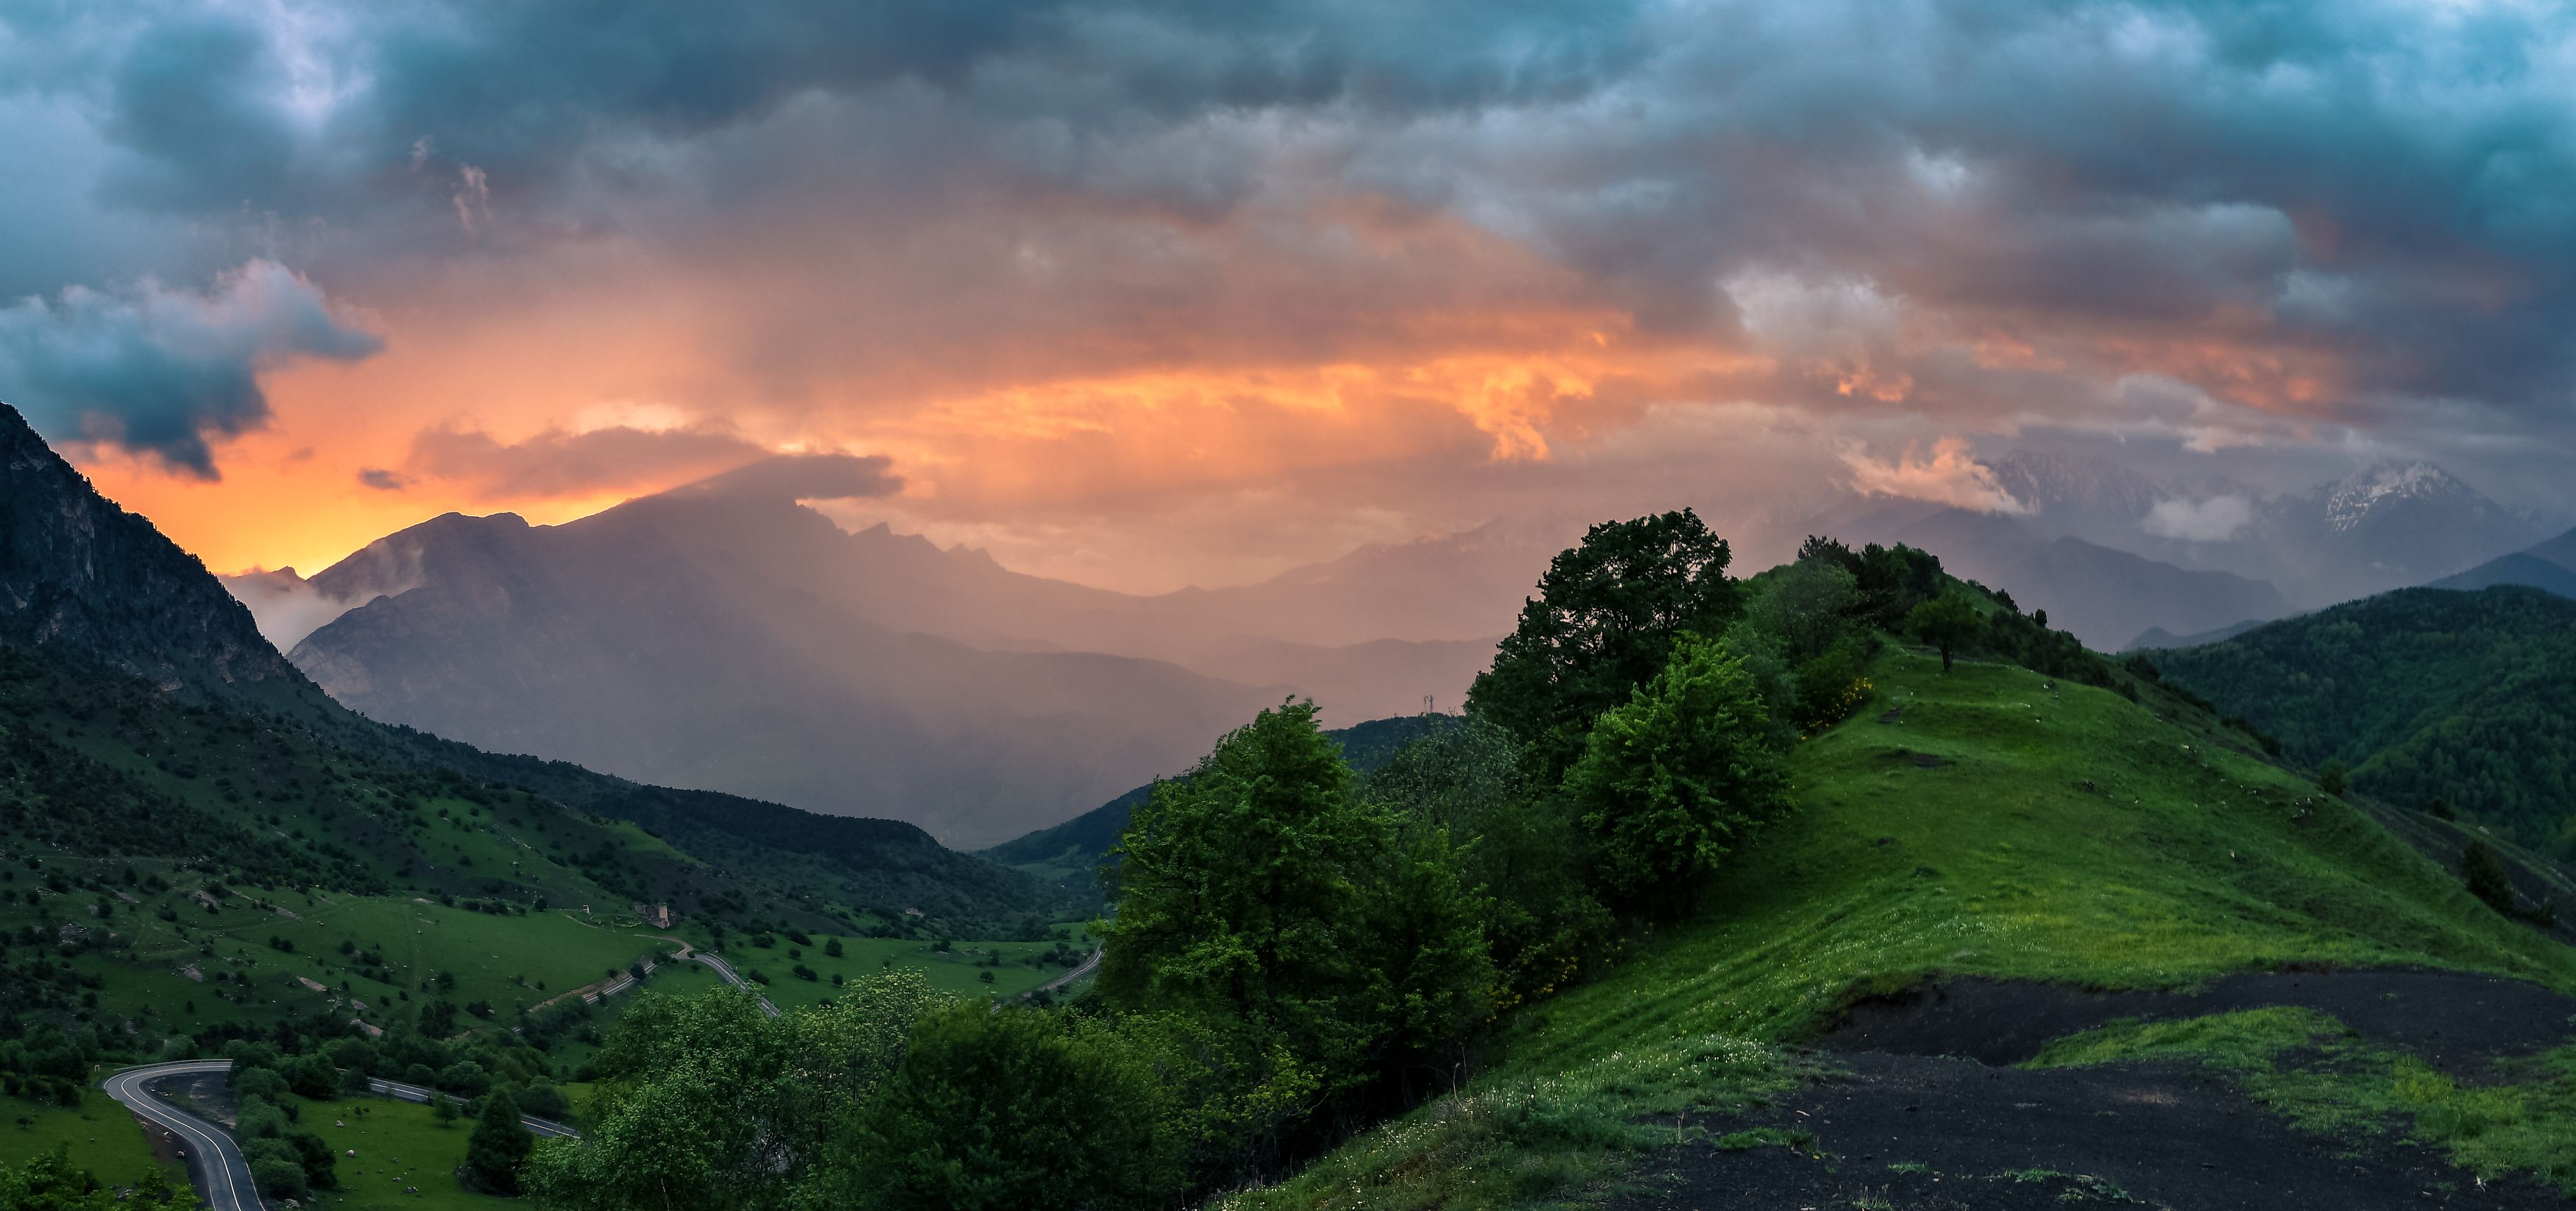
(81,575)
(740,641)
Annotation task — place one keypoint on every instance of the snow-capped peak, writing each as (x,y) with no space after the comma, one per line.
(2352,498)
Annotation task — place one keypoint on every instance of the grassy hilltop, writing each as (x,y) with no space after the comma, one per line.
(1986,822)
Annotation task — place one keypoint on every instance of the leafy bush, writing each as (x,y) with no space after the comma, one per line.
(1016,1109)
(1673,781)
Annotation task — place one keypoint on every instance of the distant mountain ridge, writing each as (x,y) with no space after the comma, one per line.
(726,644)
(2385,525)
(2469,697)
(2550,566)
(740,641)
(95,596)
(2103,595)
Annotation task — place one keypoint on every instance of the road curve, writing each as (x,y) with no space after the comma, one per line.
(414,1093)
(730,977)
(1077,973)
(215,1163)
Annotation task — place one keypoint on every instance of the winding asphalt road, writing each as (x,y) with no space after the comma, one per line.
(215,1164)
(730,976)
(1060,981)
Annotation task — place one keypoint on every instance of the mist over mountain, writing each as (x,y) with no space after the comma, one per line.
(2386,525)
(700,642)
(737,640)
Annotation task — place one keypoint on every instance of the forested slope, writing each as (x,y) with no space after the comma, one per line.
(2426,694)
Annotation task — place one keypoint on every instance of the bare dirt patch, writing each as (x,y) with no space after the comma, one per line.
(1926,1112)
(2456,1021)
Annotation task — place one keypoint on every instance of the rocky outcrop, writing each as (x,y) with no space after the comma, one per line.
(79,574)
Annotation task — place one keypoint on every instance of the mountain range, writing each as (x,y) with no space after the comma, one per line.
(2387,525)
(724,636)
(2549,565)
(2122,560)
(189,735)
(740,641)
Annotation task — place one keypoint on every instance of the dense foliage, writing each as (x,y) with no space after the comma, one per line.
(48,1182)
(1676,778)
(2422,694)
(1605,619)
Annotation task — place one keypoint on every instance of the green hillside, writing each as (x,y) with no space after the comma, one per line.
(201,854)
(177,877)
(2000,825)
(2425,694)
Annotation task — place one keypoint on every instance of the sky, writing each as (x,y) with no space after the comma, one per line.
(1152,293)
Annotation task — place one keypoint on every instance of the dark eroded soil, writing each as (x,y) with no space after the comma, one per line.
(1924,1116)
(2155,1135)
(2455,1021)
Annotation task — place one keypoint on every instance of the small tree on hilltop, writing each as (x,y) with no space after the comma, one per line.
(2331,779)
(1944,622)
(1672,782)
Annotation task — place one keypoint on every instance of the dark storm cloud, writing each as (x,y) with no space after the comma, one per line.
(158,371)
(2359,212)
(557,463)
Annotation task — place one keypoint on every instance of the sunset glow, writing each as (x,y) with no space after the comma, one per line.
(1101,308)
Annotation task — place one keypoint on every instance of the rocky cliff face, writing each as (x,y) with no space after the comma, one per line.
(79,574)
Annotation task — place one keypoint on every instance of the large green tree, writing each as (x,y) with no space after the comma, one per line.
(707,1102)
(1018,1109)
(1514,844)
(1605,619)
(1331,936)
(1236,891)
(1677,778)
(499,1146)
(1945,622)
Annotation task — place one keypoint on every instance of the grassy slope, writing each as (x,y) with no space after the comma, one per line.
(400,1146)
(2191,858)
(100,1136)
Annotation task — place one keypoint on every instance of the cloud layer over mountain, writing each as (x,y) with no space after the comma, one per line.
(1092,270)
